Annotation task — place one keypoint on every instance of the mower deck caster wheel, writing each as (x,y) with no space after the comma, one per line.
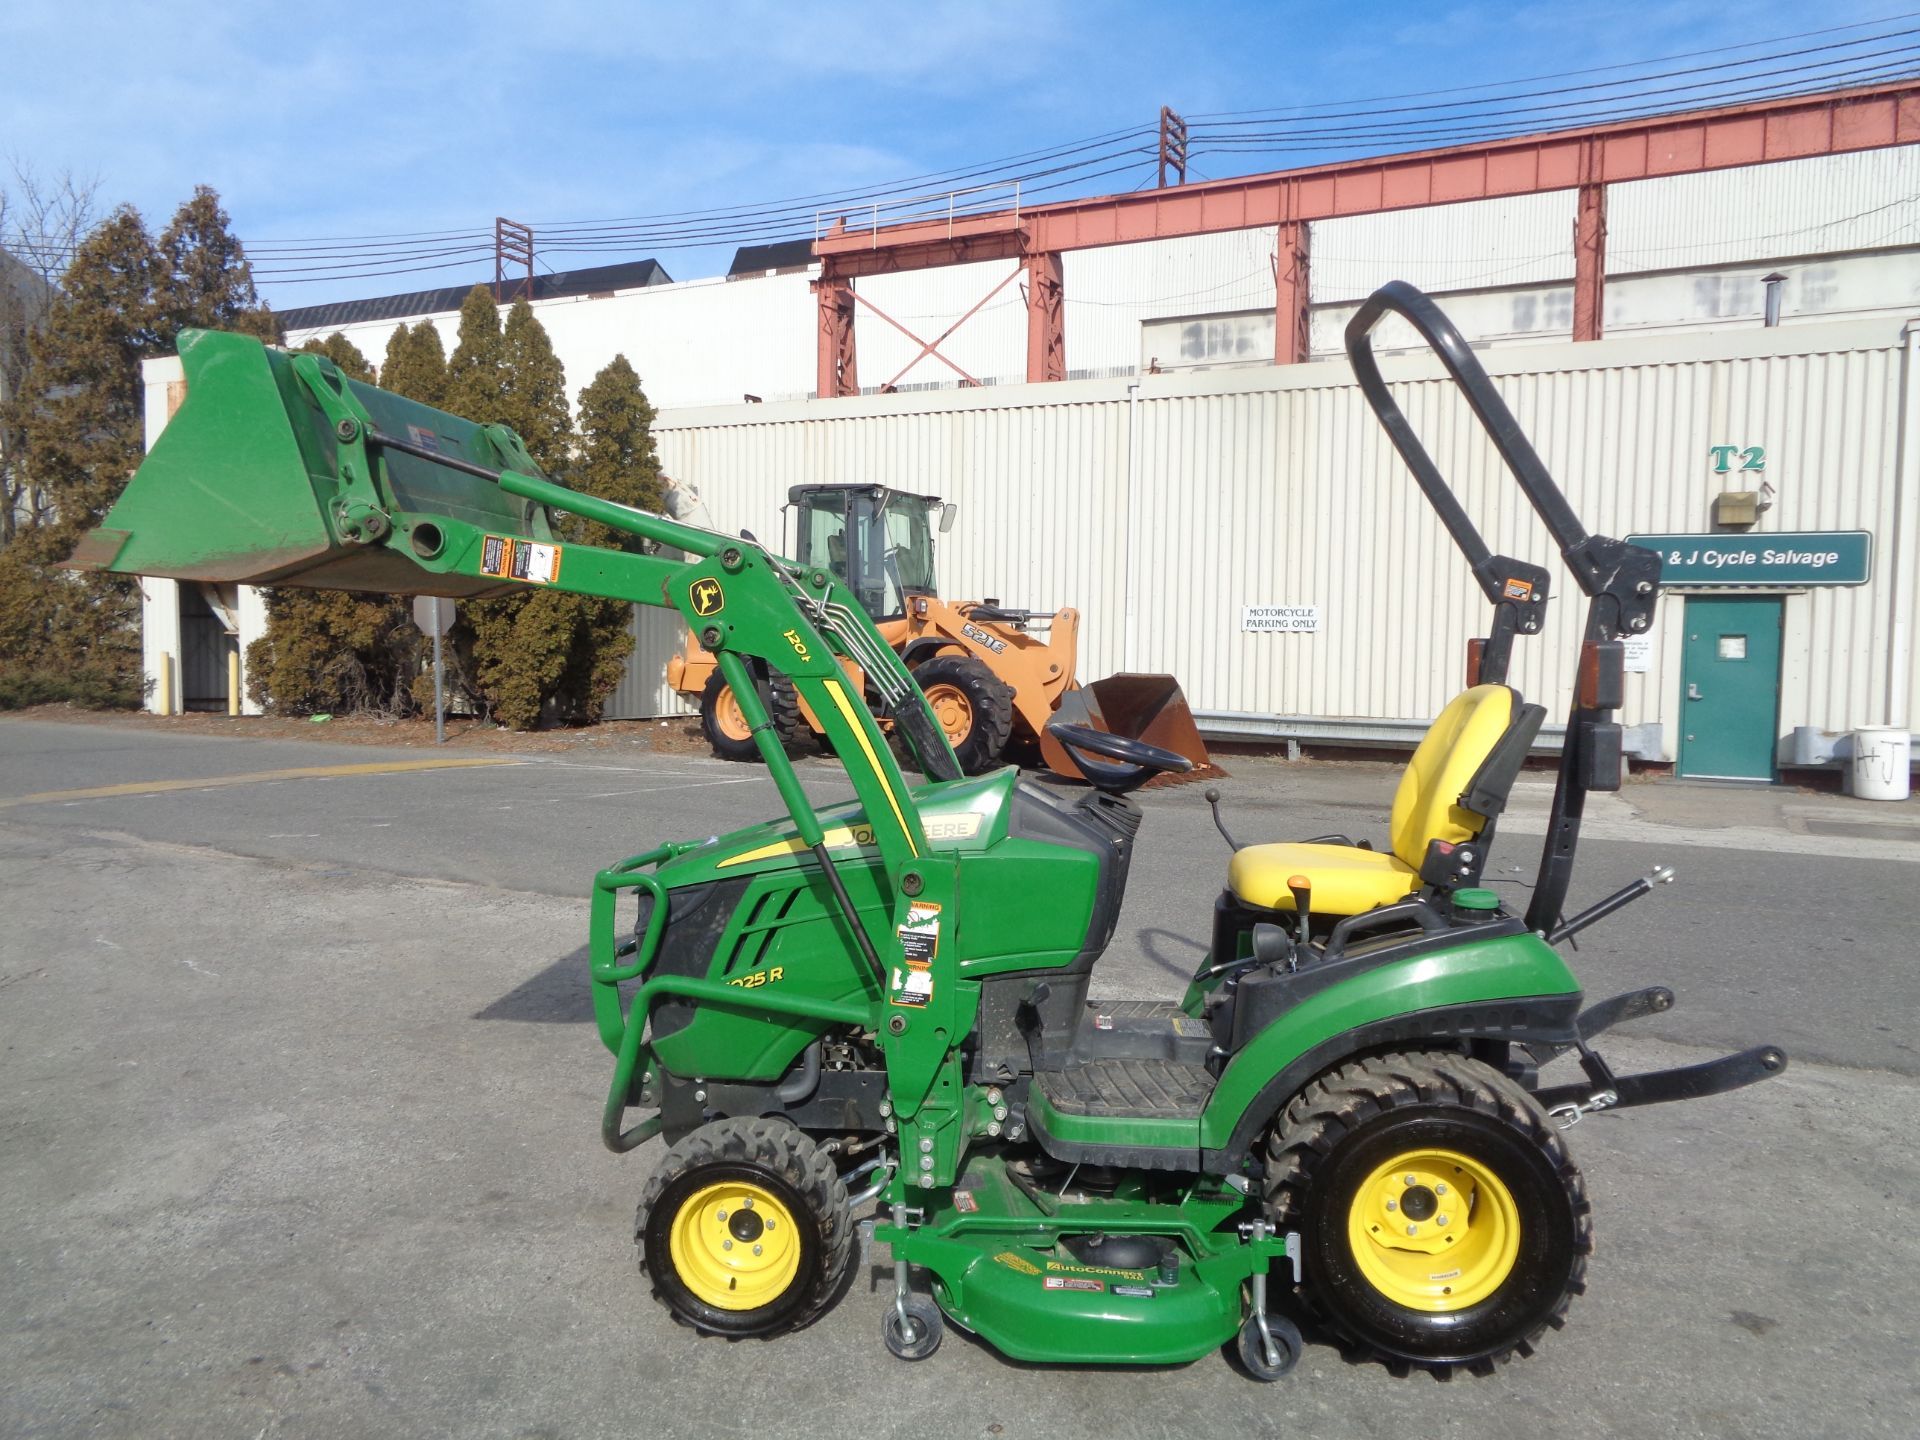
(1286,1341)
(917,1335)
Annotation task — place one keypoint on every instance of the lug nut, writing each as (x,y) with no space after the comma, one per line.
(756,1249)
(1412,1180)
(1413,1229)
(747,1204)
(726,1244)
(721,1216)
(1440,1220)
(771,1224)
(1392,1205)
(1440,1187)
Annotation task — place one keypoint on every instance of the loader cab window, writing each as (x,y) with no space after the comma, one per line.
(876,542)
(823,533)
(907,565)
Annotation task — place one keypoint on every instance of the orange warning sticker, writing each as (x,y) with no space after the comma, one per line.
(528,560)
(1519,590)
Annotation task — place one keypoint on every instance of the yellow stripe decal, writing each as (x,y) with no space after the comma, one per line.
(841,837)
(305,772)
(835,689)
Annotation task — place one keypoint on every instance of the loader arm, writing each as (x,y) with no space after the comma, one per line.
(279,470)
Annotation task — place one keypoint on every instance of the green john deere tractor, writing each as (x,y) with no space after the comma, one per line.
(1342,1119)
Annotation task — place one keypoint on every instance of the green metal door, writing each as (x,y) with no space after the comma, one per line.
(1730,684)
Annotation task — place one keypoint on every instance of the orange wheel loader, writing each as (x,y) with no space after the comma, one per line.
(993,675)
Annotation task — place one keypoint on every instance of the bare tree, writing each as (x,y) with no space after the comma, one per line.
(42,222)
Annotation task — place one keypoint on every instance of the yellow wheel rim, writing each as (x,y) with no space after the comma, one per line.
(735,1246)
(728,717)
(952,709)
(1434,1230)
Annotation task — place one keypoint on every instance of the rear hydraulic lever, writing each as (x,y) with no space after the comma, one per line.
(1626,895)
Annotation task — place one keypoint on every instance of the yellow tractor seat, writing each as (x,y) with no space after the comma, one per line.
(1454,785)
(1345,880)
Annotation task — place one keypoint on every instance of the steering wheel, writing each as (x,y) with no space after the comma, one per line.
(1141,761)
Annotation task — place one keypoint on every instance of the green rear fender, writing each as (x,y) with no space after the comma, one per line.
(1348,1016)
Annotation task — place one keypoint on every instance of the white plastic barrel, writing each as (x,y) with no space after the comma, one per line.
(1881,757)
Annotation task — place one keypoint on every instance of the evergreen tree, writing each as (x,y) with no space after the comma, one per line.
(416,365)
(344,354)
(206,281)
(534,652)
(476,379)
(533,398)
(618,459)
(79,418)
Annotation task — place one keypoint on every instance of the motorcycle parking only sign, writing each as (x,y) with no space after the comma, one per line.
(1280,619)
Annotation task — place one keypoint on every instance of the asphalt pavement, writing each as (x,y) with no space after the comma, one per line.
(301,1108)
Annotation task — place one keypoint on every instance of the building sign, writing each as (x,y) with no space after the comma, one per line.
(1280,619)
(1806,557)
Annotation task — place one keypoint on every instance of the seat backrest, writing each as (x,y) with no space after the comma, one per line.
(1427,805)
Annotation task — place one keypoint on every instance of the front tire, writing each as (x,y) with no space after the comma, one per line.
(1443,1222)
(745,1229)
(972,704)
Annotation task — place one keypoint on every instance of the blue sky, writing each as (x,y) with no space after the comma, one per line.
(352,119)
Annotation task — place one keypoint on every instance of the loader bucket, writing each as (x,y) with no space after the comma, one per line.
(250,483)
(1152,708)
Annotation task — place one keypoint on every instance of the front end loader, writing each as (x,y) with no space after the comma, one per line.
(995,676)
(1347,1118)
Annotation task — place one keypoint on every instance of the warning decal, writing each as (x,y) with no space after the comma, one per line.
(1519,589)
(912,985)
(527,560)
(920,936)
(1074,1282)
(1138,1292)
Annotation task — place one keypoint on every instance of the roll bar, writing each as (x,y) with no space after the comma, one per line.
(1621,581)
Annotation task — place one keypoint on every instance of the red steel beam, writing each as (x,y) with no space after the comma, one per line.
(1292,333)
(1795,128)
(1046,317)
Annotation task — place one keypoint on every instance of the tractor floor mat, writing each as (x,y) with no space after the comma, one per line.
(1158,1089)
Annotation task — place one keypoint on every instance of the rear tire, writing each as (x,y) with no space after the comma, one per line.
(972,704)
(1465,1264)
(745,1229)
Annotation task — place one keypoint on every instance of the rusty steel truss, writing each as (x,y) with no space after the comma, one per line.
(1587,160)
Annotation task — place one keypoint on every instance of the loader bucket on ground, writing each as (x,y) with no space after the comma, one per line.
(1152,708)
(247,482)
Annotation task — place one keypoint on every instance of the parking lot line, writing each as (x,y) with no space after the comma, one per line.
(256,777)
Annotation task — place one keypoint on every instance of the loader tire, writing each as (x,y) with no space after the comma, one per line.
(973,705)
(724,724)
(1462,1266)
(744,1229)
(783,707)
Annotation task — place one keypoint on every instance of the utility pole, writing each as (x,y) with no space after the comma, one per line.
(512,245)
(1173,147)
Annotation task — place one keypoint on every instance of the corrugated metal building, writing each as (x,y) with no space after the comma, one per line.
(1164,508)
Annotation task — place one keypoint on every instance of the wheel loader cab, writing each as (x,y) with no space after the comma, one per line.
(878,541)
(1449,794)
